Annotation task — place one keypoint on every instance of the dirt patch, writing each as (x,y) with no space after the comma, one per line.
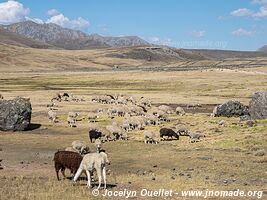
(193,108)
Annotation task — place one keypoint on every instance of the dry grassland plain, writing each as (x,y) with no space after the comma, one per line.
(227,159)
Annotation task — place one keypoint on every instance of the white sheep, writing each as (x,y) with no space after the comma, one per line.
(180,111)
(71,149)
(166,109)
(80,146)
(92,117)
(149,137)
(91,161)
(195,137)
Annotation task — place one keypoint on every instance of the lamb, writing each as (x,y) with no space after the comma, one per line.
(67,159)
(149,137)
(195,137)
(169,133)
(52,116)
(91,161)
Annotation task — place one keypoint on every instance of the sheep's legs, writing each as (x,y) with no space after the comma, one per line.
(88,178)
(57,174)
(78,173)
(63,172)
(104,177)
(99,171)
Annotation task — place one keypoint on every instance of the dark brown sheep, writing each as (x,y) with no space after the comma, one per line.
(67,159)
(94,134)
(169,133)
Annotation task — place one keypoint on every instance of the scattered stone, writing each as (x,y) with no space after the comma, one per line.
(15,115)
(129,182)
(181,174)
(245,118)
(260,152)
(257,105)
(250,123)
(222,122)
(190,169)
(155,166)
(172,177)
(153,179)
(205,158)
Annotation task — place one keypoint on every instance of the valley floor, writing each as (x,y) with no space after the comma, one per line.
(227,159)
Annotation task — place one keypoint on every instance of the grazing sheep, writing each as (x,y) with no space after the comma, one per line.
(80,146)
(92,117)
(91,161)
(149,137)
(180,111)
(115,130)
(72,118)
(71,149)
(52,116)
(195,137)
(94,134)
(74,115)
(106,135)
(181,130)
(169,133)
(166,109)
(67,159)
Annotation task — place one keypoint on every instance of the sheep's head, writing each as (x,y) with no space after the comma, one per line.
(85,150)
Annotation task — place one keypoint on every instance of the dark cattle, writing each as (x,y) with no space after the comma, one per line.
(94,134)
(67,159)
(169,133)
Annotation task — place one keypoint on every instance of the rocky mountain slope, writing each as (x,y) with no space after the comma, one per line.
(70,39)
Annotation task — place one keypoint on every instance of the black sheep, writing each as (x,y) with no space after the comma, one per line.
(94,134)
(169,133)
(67,159)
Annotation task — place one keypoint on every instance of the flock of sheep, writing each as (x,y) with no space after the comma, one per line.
(134,114)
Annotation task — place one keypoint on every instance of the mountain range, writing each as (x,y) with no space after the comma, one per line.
(54,35)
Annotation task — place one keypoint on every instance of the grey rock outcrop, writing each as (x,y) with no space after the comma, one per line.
(15,115)
(258,106)
(230,109)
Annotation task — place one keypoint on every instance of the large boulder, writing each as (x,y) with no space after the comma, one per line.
(230,109)
(258,106)
(15,115)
